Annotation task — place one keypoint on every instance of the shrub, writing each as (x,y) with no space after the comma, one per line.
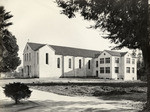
(17,91)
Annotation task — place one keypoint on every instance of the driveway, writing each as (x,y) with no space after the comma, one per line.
(41,101)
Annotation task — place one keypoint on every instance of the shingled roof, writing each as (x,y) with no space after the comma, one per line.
(66,51)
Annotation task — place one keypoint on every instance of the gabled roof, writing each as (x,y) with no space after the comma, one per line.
(67,51)
(114,53)
(35,46)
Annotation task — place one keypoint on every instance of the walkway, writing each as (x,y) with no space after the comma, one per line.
(41,101)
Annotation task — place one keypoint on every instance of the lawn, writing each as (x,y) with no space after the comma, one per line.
(103,92)
(105,89)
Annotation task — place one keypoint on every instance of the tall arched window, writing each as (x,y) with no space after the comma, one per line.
(69,63)
(79,63)
(46,58)
(58,62)
(89,64)
(27,56)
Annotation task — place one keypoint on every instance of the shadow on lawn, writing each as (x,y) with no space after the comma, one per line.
(10,106)
(63,106)
(79,106)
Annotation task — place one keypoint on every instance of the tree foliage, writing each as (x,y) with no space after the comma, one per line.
(17,91)
(9,59)
(125,20)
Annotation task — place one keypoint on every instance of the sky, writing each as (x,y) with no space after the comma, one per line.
(40,21)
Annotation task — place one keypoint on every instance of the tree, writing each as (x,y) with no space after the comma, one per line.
(17,91)
(9,59)
(125,20)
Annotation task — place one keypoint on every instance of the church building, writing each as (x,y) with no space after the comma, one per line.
(43,60)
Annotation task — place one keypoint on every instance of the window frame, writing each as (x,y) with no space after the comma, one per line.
(69,63)
(102,70)
(27,57)
(106,70)
(89,64)
(80,63)
(107,60)
(58,62)
(101,60)
(127,69)
(133,70)
(133,61)
(116,69)
(96,63)
(117,60)
(128,60)
(47,58)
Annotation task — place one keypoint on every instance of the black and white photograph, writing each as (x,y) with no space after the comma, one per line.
(74,55)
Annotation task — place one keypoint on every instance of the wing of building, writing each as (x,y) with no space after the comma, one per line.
(43,60)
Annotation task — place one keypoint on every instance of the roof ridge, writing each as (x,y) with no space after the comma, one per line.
(75,48)
(34,43)
(64,46)
(115,51)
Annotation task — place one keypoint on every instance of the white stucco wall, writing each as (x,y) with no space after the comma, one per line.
(39,68)
(130,76)
(58,71)
(89,71)
(94,66)
(46,70)
(69,72)
(105,75)
(29,62)
(119,65)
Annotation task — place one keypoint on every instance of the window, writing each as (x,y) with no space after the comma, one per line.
(58,62)
(37,58)
(133,61)
(46,58)
(107,60)
(116,60)
(101,69)
(25,69)
(101,60)
(89,64)
(128,60)
(30,68)
(27,57)
(69,63)
(96,73)
(79,63)
(116,69)
(128,69)
(107,69)
(132,69)
(96,63)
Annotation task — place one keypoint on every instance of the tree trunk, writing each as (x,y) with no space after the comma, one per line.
(146,57)
(16,101)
